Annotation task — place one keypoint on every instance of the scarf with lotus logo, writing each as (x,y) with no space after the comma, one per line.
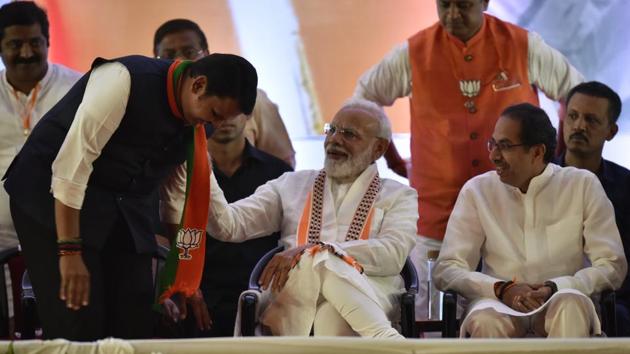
(184,264)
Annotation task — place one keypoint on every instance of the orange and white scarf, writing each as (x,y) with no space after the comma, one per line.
(310,225)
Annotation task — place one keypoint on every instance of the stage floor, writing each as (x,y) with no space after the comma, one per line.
(280,345)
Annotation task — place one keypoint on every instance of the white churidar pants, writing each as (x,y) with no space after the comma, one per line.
(567,316)
(327,294)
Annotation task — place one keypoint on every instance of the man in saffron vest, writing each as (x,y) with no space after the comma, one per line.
(460,74)
(346,232)
(84,188)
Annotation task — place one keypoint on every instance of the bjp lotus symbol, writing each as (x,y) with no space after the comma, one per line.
(188,239)
(469,88)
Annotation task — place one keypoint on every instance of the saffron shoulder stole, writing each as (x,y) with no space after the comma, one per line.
(184,265)
(310,225)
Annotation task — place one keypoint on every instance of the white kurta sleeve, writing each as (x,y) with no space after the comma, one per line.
(461,251)
(549,70)
(385,253)
(97,118)
(173,196)
(602,246)
(258,215)
(388,80)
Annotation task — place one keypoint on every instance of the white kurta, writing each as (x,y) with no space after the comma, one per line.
(563,229)
(278,205)
(55,84)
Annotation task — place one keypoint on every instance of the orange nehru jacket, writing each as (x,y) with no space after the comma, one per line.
(458,91)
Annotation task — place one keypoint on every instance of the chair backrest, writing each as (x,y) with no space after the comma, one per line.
(410,276)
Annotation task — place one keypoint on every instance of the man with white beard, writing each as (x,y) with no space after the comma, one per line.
(346,233)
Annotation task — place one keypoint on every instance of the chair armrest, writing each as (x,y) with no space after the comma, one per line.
(7,254)
(449,314)
(260,266)
(607,303)
(249,301)
(29,309)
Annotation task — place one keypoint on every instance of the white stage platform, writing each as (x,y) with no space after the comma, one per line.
(280,345)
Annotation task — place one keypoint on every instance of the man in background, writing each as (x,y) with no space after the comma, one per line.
(183,39)
(591,119)
(29,87)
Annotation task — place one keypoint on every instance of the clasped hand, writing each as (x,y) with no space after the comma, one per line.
(524,297)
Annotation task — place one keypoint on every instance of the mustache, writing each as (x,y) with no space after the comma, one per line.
(578,135)
(336,148)
(31,60)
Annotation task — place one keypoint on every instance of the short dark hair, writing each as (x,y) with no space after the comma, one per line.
(23,13)
(228,76)
(598,89)
(536,128)
(178,25)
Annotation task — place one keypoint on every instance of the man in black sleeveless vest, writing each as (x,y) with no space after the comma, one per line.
(85,185)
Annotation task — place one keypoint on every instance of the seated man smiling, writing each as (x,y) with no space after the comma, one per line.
(533,224)
(346,231)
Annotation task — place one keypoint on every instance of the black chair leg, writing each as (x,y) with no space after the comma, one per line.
(4,305)
(248,315)
(407,320)
(449,314)
(609,313)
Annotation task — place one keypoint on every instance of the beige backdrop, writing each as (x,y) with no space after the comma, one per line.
(342,38)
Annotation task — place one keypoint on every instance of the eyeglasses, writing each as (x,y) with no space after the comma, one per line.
(189,53)
(346,133)
(501,145)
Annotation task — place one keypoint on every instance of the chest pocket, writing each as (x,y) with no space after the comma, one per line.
(377,220)
(565,240)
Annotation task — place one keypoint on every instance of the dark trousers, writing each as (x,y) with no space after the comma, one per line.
(121,285)
(623,317)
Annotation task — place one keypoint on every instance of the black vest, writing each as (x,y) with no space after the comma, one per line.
(149,143)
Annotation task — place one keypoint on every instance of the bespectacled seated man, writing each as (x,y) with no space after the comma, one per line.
(533,223)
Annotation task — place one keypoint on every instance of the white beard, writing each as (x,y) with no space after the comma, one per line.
(346,169)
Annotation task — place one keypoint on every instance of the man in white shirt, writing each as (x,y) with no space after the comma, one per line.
(459,74)
(29,87)
(84,188)
(346,232)
(533,224)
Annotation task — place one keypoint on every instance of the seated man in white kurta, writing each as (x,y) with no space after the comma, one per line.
(369,222)
(547,237)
